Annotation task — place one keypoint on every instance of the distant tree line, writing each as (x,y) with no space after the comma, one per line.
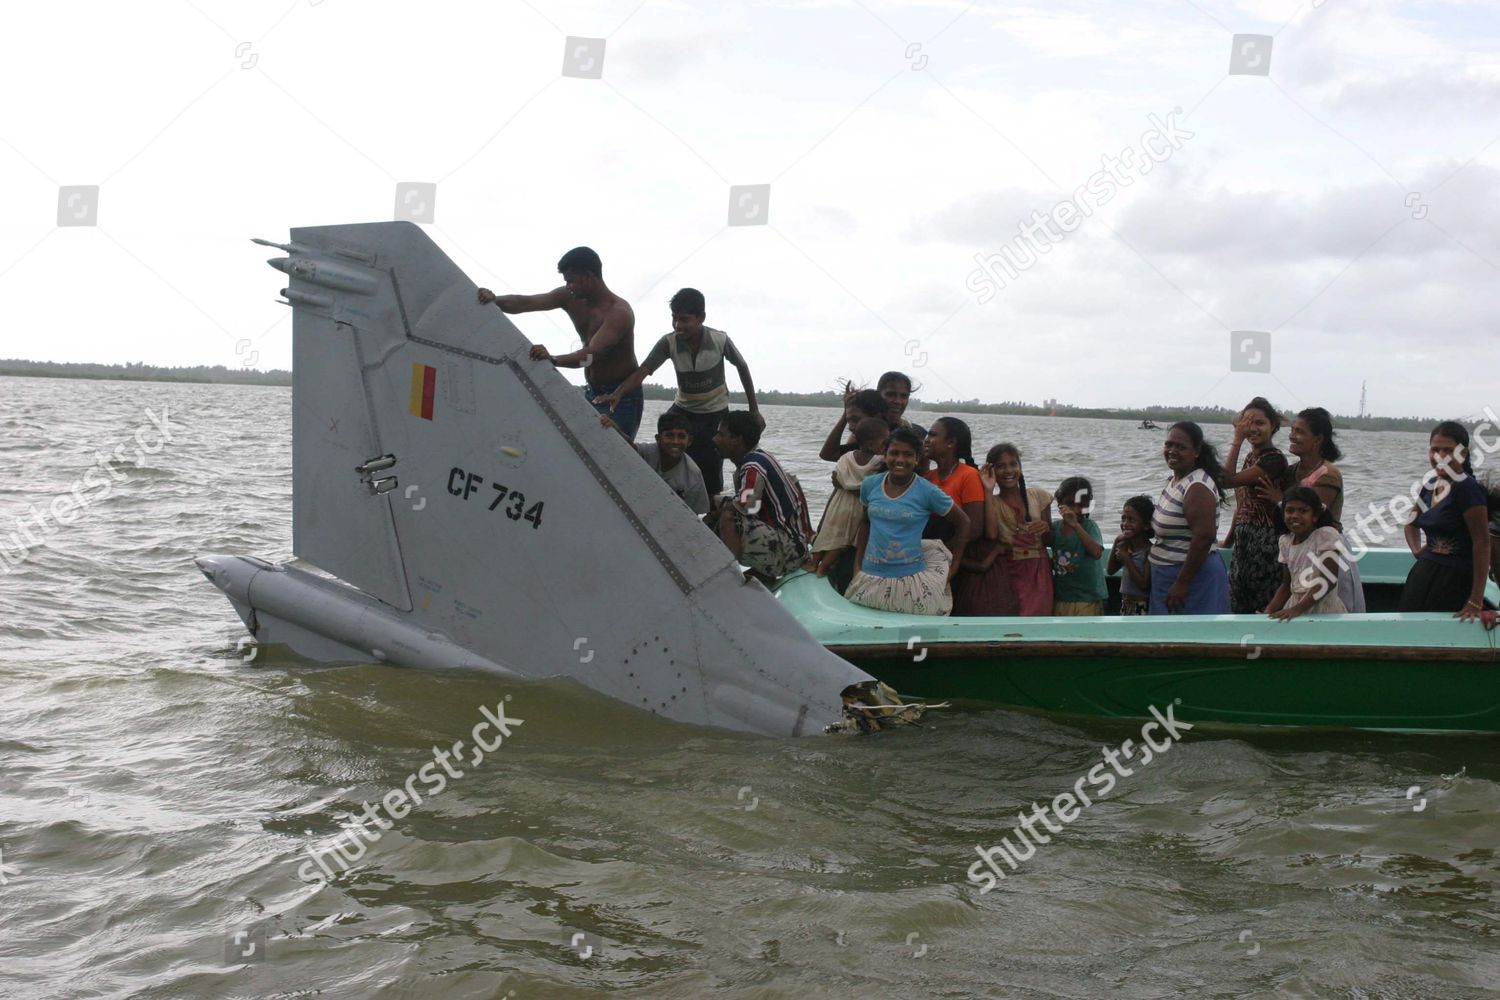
(1162,415)
(138,371)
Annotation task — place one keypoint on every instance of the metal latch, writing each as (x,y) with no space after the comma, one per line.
(367,470)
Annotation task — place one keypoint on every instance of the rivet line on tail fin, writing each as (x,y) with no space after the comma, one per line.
(488,359)
(401,305)
(603,480)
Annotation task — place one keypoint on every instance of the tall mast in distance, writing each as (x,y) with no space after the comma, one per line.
(1362,398)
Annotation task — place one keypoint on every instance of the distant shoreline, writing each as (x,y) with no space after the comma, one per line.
(1161,415)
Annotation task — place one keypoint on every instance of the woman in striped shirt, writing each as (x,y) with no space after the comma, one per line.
(1187,577)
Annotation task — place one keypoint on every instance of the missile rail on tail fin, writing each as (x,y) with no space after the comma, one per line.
(474,513)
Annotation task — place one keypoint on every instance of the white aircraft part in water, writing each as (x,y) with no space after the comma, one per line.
(476,515)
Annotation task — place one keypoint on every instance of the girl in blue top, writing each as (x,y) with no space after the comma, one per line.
(1452,511)
(898,570)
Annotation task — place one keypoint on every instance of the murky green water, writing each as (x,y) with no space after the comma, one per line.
(160,793)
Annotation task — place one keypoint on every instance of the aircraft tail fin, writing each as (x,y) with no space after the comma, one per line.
(441,471)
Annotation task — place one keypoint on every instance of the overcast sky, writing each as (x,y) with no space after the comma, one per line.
(1337,192)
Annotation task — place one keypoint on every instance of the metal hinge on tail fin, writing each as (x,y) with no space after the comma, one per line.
(871,706)
(369,468)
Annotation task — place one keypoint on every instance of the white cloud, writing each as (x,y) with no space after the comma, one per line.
(886,180)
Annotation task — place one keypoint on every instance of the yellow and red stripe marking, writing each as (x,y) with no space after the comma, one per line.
(423,390)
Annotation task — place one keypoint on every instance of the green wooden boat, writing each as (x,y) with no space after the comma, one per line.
(1381,670)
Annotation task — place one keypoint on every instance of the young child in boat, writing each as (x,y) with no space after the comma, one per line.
(1077,553)
(1310,559)
(840,524)
(1131,552)
(1020,518)
(898,569)
(1274,463)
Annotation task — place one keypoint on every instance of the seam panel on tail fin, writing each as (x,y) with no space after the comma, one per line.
(338,525)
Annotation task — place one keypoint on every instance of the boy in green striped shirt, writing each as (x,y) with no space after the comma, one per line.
(698,354)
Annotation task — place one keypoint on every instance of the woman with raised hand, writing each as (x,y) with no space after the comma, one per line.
(1311,442)
(1254,572)
(1449,531)
(1019,519)
(1187,576)
(858,404)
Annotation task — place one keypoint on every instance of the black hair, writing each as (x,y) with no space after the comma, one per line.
(1458,432)
(1006,448)
(1320,423)
(580,260)
(688,300)
(1308,495)
(1074,485)
(1208,459)
(742,425)
(1275,464)
(1145,510)
(963,440)
(906,436)
(890,377)
(672,420)
(869,402)
(1272,414)
(869,426)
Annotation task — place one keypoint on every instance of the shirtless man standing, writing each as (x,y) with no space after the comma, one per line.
(605,323)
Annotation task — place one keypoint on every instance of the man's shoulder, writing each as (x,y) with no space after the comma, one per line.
(622,308)
(559,298)
(767,462)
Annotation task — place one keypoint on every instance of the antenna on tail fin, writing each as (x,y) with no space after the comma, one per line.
(471,493)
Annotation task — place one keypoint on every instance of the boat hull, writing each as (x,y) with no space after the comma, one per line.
(1274,690)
